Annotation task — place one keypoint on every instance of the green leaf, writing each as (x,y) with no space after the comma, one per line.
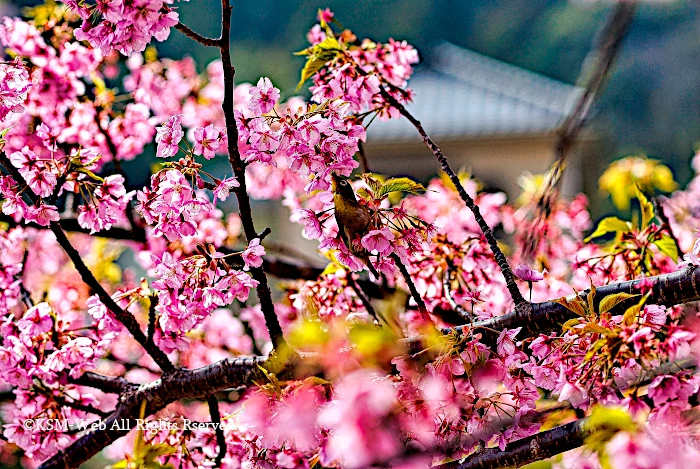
(330,43)
(667,246)
(631,315)
(646,207)
(401,185)
(316,381)
(597,345)
(610,301)
(596,329)
(570,324)
(633,311)
(610,225)
(610,418)
(364,193)
(315,63)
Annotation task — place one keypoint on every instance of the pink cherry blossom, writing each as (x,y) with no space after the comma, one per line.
(263,97)
(524,272)
(379,240)
(506,341)
(36,320)
(207,141)
(168,137)
(14,85)
(42,215)
(222,190)
(252,256)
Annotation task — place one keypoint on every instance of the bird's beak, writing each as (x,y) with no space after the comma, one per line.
(334,185)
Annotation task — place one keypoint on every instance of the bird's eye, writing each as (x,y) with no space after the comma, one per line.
(343,183)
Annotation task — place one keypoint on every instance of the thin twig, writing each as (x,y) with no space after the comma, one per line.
(446,280)
(152,315)
(220,436)
(107,384)
(520,302)
(607,48)
(205,41)
(409,281)
(363,298)
(81,407)
(364,162)
(666,224)
(26,295)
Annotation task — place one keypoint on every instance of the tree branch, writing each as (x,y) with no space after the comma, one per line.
(363,298)
(602,57)
(666,223)
(670,289)
(81,407)
(676,288)
(126,318)
(533,448)
(205,41)
(213,404)
(520,302)
(264,295)
(71,224)
(180,384)
(409,281)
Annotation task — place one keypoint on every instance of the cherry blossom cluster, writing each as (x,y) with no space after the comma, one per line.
(358,73)
(105,199)
(14,80)
(123,26)
(316,141)
(189,289)
(377,403)
(39,347)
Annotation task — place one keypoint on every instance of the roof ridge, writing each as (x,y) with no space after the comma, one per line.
(503,78)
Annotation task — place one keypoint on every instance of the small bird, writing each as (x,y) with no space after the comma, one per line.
(354,220)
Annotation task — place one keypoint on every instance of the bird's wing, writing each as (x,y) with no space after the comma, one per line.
(342,233)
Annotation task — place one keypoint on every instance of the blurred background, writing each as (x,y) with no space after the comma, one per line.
(651,104)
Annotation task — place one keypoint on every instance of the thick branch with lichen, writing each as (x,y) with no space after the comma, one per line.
(669,289)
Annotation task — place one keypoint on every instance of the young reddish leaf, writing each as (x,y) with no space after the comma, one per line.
(646,207)
(667,246)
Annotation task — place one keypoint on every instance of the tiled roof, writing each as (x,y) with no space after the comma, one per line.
(462,94)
